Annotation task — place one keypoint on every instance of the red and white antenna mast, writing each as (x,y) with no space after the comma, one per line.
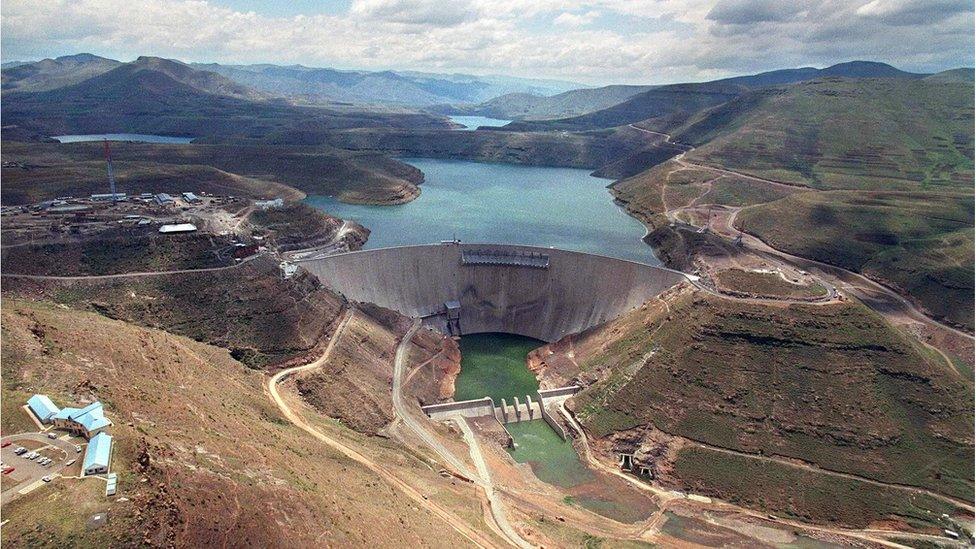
(111,172)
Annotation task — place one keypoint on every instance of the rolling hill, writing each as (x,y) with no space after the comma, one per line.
(158,96)
(413,89)
(703,390)
(671,105)
(49,74)
(524,106)
(842,133)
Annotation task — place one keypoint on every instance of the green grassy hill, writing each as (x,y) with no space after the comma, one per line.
(832,385)
(920,242)
(843,134)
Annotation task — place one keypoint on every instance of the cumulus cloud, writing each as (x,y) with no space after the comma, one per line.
(567,19)
(597,41)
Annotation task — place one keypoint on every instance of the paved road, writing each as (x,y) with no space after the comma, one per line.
(494,498)
(482,477)
(383,472)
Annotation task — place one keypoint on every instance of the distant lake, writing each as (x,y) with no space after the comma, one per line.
(472,122)
(137,137)
(505,204)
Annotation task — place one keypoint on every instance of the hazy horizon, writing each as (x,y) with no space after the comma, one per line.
(594,42)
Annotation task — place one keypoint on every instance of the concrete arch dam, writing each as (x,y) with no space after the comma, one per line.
(542,293)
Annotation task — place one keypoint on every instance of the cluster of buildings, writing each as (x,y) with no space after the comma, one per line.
(89,422)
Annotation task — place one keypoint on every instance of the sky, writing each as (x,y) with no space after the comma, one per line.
(589,41)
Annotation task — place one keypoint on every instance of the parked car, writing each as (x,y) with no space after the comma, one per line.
(69,462)
(20,450)
(46,478)
(77,449)
(52,436)
(5,444)
(8,470)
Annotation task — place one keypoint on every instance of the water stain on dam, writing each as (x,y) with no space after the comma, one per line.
(503,204)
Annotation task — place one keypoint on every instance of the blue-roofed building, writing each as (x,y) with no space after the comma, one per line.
(42,407)
(87,421)
(98,455)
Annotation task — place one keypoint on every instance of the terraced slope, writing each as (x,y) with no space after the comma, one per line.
(832,386)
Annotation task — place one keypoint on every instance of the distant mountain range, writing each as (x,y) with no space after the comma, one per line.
(303,84)
(87,93)
(676,102)
(160,96)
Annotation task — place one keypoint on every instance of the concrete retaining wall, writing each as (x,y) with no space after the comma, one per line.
(467,408)
(575,292)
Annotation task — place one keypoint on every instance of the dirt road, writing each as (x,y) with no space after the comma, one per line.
(477,538)
(482,476)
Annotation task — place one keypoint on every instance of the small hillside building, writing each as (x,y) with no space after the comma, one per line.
(88,421)
(98,455)
(42,407)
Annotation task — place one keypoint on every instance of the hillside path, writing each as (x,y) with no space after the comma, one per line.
(459,525)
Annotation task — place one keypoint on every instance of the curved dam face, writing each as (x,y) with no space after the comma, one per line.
(460,289)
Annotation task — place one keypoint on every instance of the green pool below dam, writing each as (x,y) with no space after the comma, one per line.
(494,364)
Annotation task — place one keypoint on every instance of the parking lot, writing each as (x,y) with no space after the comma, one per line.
(28,474)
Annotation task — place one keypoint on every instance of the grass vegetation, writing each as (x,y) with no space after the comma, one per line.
(260,317)
(221,467)
(255,171)
(766,284)
(919,242)
(773,487)
(829,384)
(844,134)
(117,251)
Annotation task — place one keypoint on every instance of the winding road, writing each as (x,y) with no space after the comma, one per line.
(477,538)
(482,476)
(839,275)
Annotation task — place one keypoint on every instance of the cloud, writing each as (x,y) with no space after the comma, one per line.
(596,41)
(745,12)
(415,12)
(567,19)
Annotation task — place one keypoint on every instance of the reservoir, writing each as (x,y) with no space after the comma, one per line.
(134,137)
(503,203)
(473,122)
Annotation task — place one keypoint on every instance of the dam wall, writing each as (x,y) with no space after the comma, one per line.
(494,288)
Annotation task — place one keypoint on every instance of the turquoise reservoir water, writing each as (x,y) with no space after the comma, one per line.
(473,122)
(138,137)
(494,365)
(506,204)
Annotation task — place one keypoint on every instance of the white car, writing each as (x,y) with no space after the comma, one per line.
(69,462)
(46,478)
